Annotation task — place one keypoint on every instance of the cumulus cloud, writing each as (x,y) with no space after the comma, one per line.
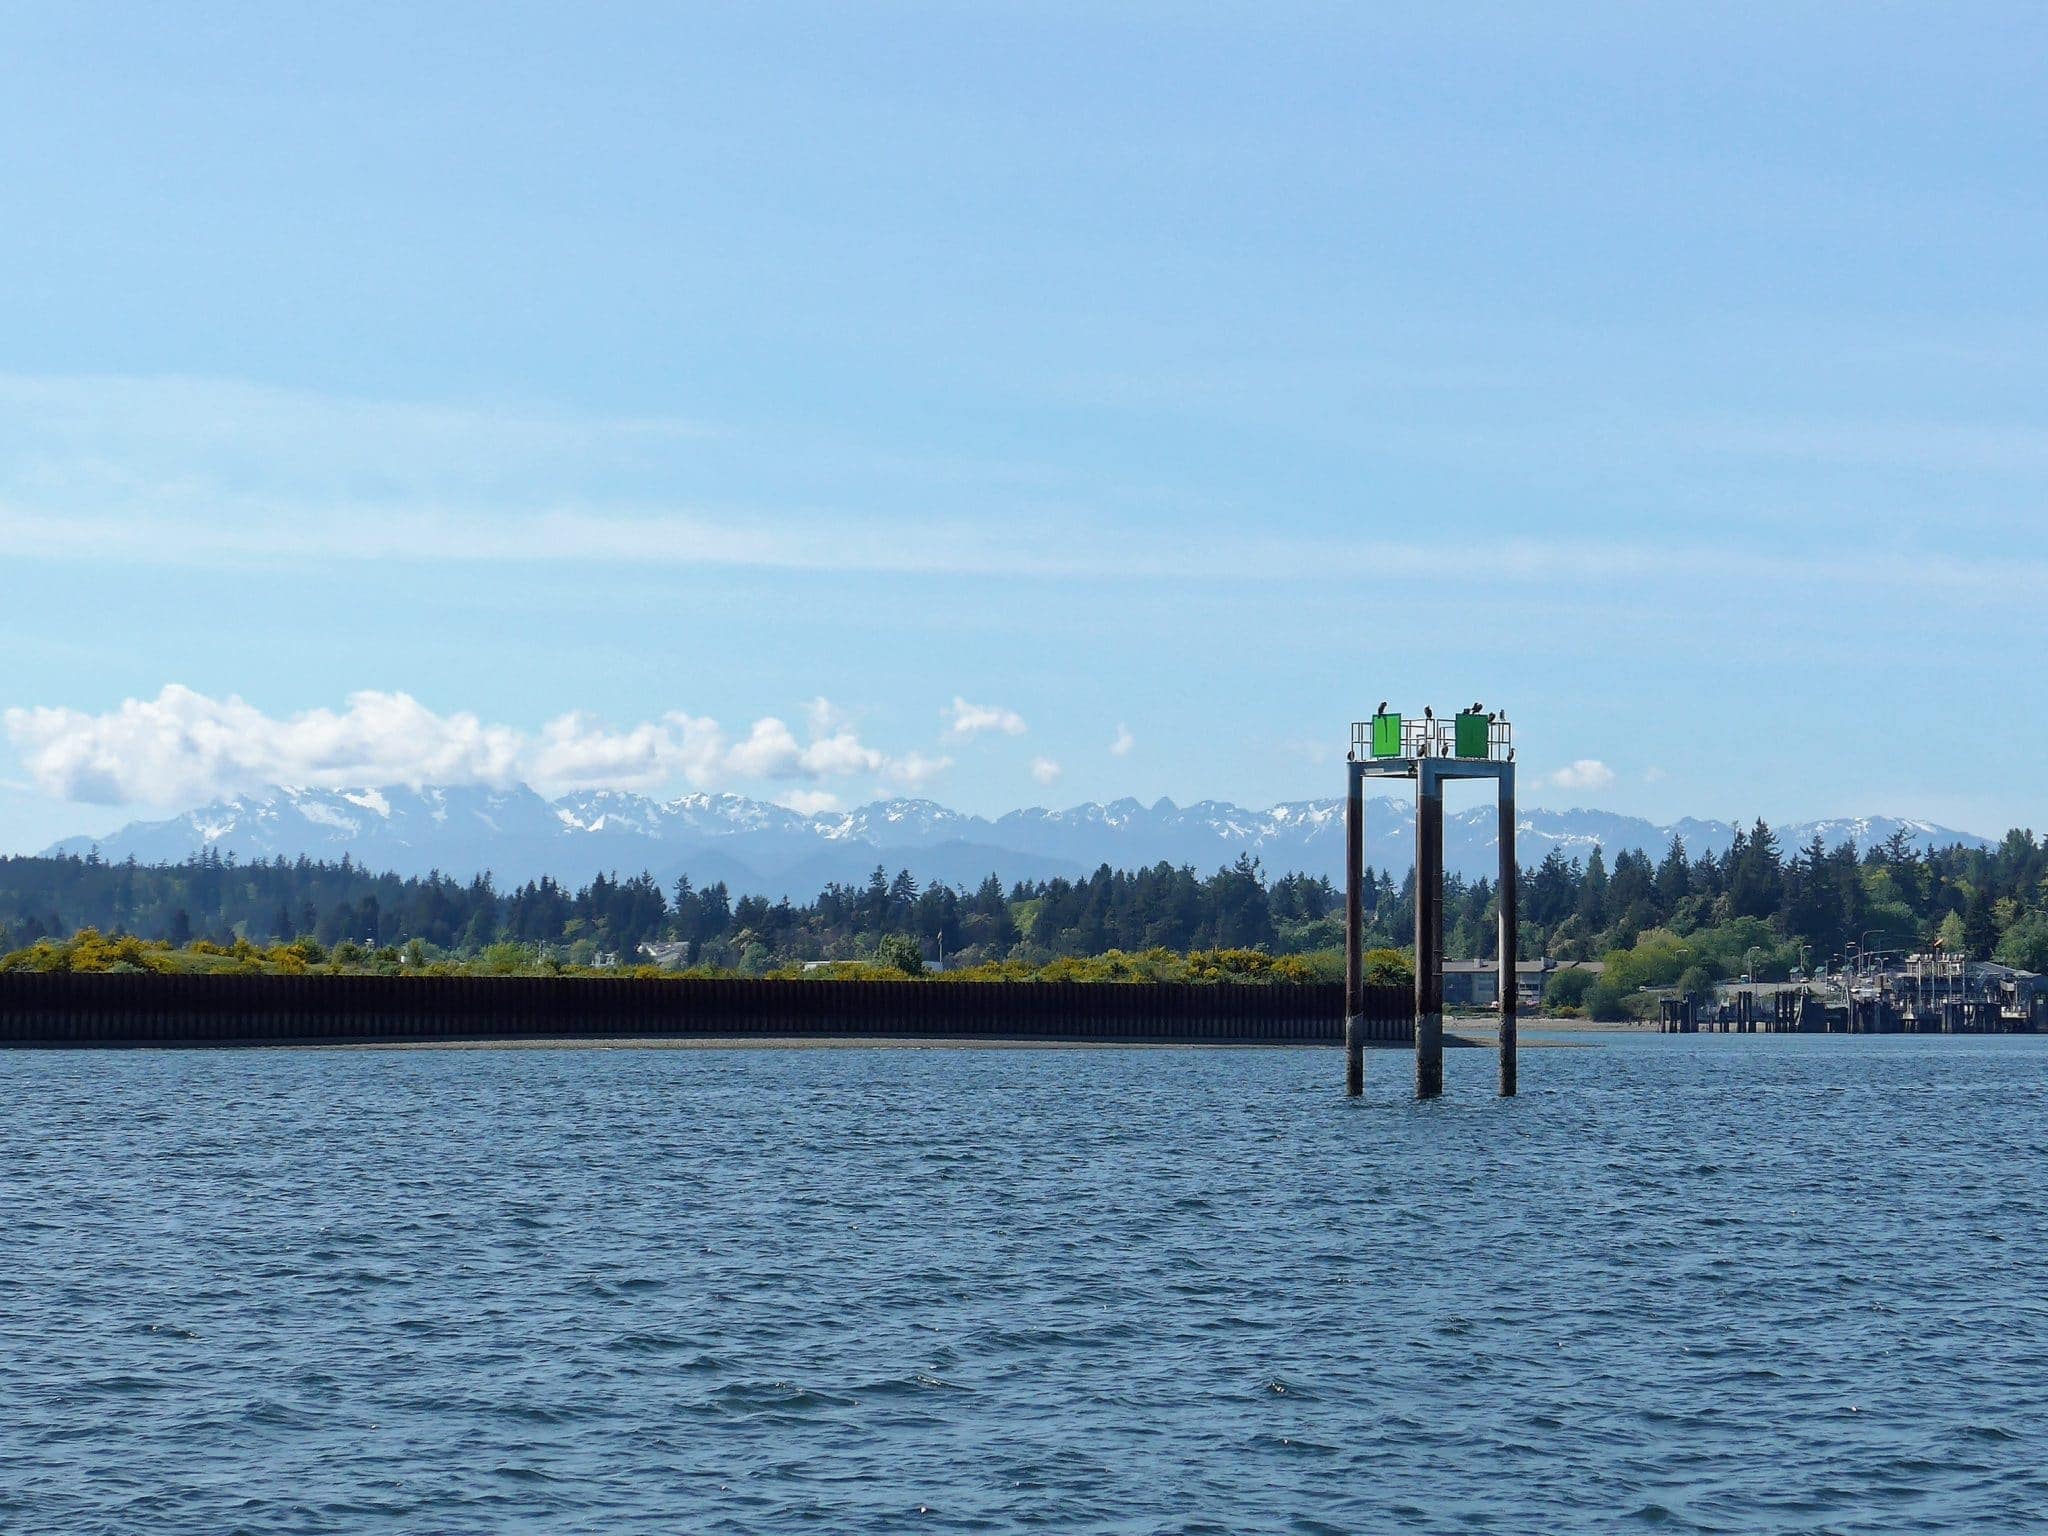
(1045,770)
(1586,773)
(972,719)
(914,770)
(183,747)
(840,755)
(771,751)
(808,802)
(1121,746)
(579,751)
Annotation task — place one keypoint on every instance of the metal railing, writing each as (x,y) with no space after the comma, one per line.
(1428,737)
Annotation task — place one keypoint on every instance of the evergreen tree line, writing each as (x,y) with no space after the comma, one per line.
(1807,910)
(1753,907)
(219,900)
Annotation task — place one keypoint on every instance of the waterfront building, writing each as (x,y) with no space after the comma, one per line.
(1476,983)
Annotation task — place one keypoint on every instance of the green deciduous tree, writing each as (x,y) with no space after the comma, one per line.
(1568,989)
(899,951)
(2025,943)
(1950,935)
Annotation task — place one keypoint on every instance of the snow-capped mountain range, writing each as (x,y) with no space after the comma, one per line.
(758,847)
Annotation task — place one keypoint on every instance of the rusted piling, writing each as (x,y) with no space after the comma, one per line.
(1510,940)
(1429,935)
(1354,936)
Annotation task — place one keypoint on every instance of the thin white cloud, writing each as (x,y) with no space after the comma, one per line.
(1654,775)
(227,474)
(172,410)
(973,719)
(824,717)
(184,747)
(1124,741)
(1045,770)
(211,527)
(1314,750)
(1904,443)
(1586,773)
(808,802)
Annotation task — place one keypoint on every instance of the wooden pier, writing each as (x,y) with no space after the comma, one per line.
(1800,1011)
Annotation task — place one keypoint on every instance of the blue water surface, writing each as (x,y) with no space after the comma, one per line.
(1683,1283)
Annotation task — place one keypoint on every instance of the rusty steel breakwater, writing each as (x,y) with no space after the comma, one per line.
(136,1009)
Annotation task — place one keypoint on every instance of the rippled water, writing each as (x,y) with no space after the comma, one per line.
(1717,1283)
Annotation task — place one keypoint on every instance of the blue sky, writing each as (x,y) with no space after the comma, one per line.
(1023,404)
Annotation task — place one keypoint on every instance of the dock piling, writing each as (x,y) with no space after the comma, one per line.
(1354,936)
(1510,940)
(1429,934)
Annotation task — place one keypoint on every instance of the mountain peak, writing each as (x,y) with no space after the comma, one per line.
(757,847)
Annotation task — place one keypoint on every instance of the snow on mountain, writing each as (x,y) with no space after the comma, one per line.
(904,823)
(757,846)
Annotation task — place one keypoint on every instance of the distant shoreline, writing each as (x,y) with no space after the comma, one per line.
(112,1009)
(1458,1034)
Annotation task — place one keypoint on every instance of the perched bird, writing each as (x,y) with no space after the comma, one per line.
(1475,707)
(1489,717)
(1428,713)
(1351,756)
(1382,709)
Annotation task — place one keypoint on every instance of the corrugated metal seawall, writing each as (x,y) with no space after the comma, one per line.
(128,1009)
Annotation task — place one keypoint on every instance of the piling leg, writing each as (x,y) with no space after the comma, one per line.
(1429,933)
(1510,935)
(1354,935)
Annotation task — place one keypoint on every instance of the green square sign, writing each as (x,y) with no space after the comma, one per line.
(1386,735)
(1472,733)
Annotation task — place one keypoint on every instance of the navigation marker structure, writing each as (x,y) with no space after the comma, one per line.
(1470,745)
